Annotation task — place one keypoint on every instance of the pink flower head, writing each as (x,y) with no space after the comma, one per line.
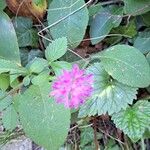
(72,88)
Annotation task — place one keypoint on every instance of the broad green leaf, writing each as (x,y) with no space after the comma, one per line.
(8,40)
(142,42)
(4,81)
(41,78)
(10,66)
(146,18)
(136,7)
(56,49)
(74,26)
(2,4)
(37,65)
(127,65)
(44,121)
(5,101)
(10,118)
(27,36)
(59,66)
(104,21)
(108,95)
(148,57)
(94,9)
(134,120)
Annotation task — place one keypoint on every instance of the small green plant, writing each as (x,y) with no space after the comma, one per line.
(46,86)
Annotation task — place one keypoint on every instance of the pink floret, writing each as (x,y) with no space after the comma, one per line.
(72,88)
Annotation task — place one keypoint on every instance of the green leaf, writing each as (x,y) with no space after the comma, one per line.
(41,78)
(128,30)
(49,123)
(127,65)
(8,41)
(14,81)
(26,81)
(142,42)
(4,81)
(134,120)
(56,49)
(111,145)
(104,21)
(4,101)
(27,36)
(148,57)
(10,66)
(39,2)
(70,57)
(58,66)
(2,4)
(108,95)
(94,9)
(37,65)
(27,56)
(136,7)
(146,18)
(10,118)
(74,26)
(87,136)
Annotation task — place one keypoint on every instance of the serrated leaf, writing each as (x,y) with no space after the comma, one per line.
(136,7)
(134,120)
(104,21)
(8,40)
(49,123)
(127,65)
(142,42)
(27,36)
(37,65)
(56,49)
(4,81)
(108,95)
(10,66)
(10,118)
(74,26)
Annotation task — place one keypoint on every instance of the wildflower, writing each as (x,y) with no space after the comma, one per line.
(72,88)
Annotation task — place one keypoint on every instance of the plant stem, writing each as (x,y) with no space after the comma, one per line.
(142,144)
(97,147)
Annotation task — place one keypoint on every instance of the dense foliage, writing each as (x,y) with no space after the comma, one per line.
(109,40)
